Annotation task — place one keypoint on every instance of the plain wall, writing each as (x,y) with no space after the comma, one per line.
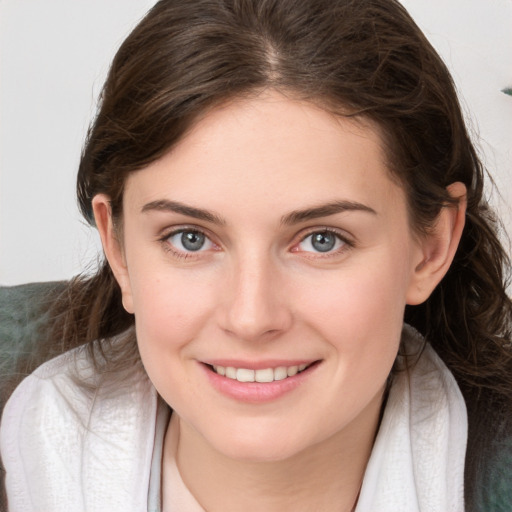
(54,55)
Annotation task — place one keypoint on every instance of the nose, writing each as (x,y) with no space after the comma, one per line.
(255,306)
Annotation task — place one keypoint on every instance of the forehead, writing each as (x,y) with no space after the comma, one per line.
(269,149)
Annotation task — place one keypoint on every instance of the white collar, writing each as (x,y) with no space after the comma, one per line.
(417,461)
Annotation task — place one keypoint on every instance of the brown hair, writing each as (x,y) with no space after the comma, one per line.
(363,56)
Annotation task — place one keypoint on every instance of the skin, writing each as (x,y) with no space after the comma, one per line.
(258,290)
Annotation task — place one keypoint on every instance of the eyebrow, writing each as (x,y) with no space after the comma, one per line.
(291,218)
(190,211)
(324,211)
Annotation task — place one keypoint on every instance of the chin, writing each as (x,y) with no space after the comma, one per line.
(260,454)
(258,445)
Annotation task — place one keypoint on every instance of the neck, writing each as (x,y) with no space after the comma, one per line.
(326,476)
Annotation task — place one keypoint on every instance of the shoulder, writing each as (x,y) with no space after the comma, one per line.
(38,418)
(62,425)
(50,388)
(48,405)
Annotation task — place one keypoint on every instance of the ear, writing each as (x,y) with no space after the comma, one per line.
(437,249)
(112,247)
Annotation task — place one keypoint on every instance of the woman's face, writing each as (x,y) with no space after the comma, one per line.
(271,238)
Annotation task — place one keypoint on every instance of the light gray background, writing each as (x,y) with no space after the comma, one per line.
(54,55)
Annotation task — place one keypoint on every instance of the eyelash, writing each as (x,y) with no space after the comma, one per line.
(347,244)
(168,247)
(176,253)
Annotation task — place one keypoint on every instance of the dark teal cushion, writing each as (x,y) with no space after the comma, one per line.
(23,319)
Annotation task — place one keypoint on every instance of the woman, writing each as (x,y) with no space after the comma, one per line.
(278,185)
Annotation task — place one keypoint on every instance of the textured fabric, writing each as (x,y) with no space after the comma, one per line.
(417,461)
(494,492)
(67,449)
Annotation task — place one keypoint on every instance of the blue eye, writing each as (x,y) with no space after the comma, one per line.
(321,241)
(189,240)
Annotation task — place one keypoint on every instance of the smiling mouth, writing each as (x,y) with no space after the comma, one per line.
(262,375)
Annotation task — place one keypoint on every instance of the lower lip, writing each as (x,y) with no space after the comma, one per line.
(256,392)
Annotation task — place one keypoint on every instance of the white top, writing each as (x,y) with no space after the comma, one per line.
(66,449)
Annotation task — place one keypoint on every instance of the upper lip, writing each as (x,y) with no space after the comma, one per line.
(258,365)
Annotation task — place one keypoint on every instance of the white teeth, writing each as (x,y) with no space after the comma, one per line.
(220,370)
(293,370)
(280,373)
(244,375)
(264,375)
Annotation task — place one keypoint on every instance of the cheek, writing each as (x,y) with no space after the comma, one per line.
(366,295)
(359,312)
(170,311)
(169,315)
